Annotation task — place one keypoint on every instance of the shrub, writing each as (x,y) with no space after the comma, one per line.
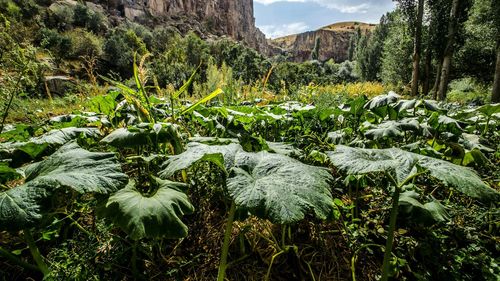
(84,43)
(58,44)
(347,72)
(467,91)
(120,47)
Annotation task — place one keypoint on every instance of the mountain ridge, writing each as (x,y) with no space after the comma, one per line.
(233,18)
(334,41)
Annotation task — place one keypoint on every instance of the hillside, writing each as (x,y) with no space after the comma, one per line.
(334,41)
(231,18)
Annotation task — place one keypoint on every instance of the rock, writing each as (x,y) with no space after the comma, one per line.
(334,42)
(234,18)
(59,85)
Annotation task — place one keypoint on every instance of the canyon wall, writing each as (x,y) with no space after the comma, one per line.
(334,42)
(233,18)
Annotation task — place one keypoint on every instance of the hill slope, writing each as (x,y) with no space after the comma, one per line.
(334,41)
(233,18)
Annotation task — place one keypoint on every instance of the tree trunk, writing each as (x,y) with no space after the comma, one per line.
(448,52)
(495,95)
(438,79)
(427,74)
(417,49)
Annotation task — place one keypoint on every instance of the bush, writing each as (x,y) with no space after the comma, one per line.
(120,47)
(84,43)
(58,44)
(91,20)
(468,91)
(346,72)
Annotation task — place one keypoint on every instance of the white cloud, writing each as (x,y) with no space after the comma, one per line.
(275,31)
(357,9)
(344,6)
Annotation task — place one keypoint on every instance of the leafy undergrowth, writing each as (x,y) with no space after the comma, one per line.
(136,187)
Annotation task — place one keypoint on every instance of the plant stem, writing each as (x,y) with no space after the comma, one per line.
(486,127)
(225,246)
(390,235)
(6,254)
(35,252)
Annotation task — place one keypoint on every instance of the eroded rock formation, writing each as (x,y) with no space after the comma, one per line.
(334,42)
(233,18)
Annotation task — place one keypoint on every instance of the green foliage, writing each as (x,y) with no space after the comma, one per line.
(121,45)
(397,51)
(94,21)
(70,168)
(56,42)
(145,134)
(468,90)
(369,53)
(315,50)
(257,182)
(429,213)
(150,216)
(84,44)
(477,56)
(402,165)
(279,188)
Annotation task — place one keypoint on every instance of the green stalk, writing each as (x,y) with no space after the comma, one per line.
(225,245)
(486,127)
(35,252)
(390,235)
(6,254)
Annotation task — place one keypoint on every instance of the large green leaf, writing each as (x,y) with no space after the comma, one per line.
(71,167)
(145,134)
(279,188)
(78,169)
(155,216)
(384,130)
(382,100)
(443,123)
(7,173)
(463,179)
(221,155)
(402,165)
(489,109)
(22,207)
(23,152)
(62,136)
(428,213)
(268,185)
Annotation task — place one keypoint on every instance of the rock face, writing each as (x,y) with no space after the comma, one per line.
(234,18)
(334,42)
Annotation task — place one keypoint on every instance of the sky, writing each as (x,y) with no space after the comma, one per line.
(278,18)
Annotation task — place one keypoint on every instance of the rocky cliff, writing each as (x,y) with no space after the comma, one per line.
(233,18)
(334,42)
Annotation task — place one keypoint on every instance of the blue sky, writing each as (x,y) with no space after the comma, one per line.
(277,18)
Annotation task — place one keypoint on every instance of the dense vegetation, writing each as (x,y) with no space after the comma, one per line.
(169,157)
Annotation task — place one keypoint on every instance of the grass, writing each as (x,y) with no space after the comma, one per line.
(34,110)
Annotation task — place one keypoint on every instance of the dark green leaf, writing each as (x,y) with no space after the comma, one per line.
(155,216)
